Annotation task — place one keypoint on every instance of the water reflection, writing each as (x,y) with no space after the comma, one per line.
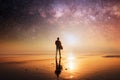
(58,67)
(70,62)
(72,68)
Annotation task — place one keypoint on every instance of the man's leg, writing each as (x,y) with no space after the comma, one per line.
(56,52)
(59,53)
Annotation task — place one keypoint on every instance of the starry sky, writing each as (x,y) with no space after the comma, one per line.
(81,25)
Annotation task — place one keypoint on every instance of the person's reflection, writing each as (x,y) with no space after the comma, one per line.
(58,67)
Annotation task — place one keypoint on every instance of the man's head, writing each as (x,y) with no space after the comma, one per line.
(57,38)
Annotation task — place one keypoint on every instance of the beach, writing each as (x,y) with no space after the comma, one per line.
(47,67)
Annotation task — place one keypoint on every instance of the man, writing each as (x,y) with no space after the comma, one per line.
(58,47)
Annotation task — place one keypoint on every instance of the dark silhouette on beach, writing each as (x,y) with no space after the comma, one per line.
(58,47)
(58,67)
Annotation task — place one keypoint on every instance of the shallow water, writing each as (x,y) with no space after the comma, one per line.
(47,67)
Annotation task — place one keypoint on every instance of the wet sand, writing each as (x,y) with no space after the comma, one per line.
(45,67)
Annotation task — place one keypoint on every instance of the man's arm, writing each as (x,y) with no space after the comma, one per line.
(55,42)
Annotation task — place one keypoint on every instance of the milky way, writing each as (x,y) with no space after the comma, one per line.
(36,19)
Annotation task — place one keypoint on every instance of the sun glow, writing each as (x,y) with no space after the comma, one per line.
(70,39)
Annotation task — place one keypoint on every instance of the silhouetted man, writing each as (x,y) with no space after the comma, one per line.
(58,47)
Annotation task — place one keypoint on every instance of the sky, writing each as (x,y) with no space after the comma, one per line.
(82,25)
